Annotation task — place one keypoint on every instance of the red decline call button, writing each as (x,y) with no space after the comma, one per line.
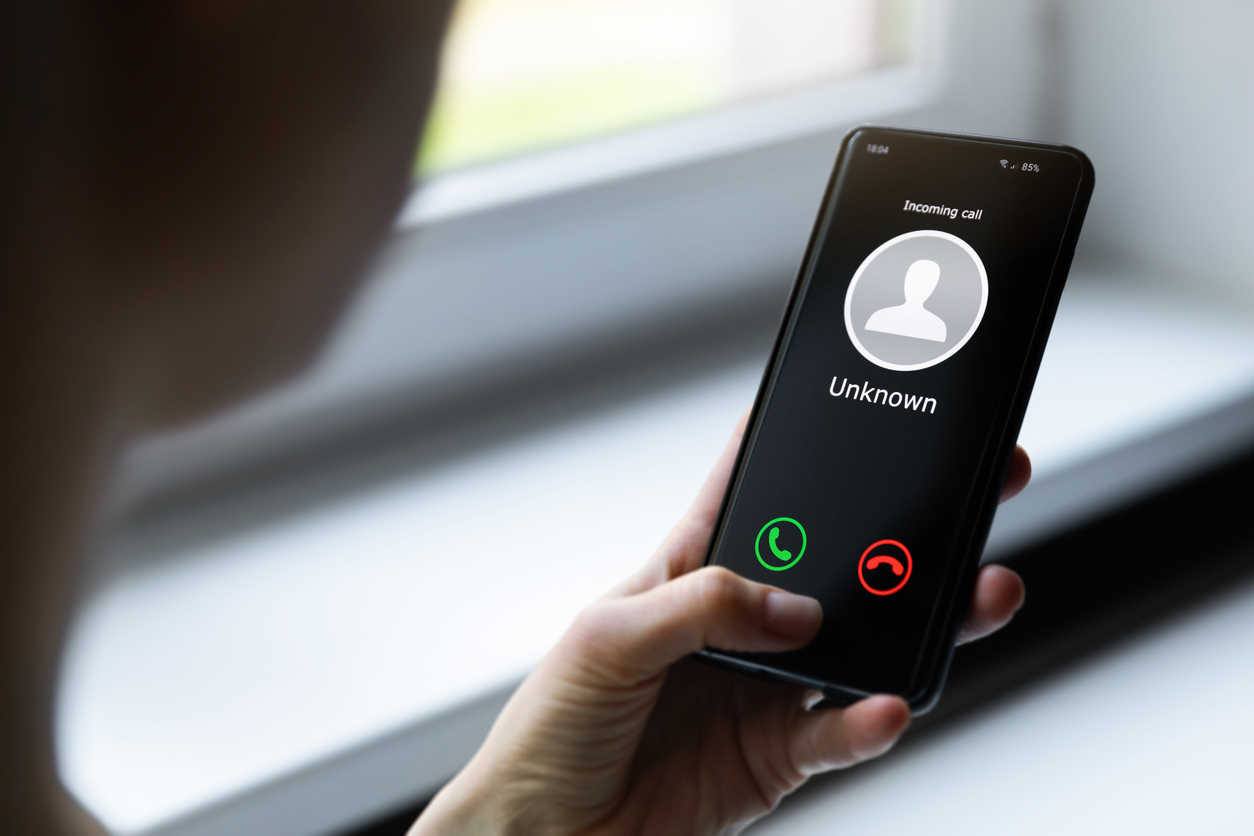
(885,560)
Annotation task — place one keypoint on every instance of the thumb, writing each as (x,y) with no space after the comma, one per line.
(636,637)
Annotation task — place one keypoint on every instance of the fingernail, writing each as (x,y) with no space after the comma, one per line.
(791,615)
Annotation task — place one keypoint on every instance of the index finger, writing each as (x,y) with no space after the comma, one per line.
(1019,474)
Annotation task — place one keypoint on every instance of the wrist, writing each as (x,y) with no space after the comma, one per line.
(466,806)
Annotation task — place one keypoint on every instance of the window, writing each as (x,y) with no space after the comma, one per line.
(594,168)
(522,75)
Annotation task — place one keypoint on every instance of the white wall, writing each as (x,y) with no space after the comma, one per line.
(999,76)
(1160,93)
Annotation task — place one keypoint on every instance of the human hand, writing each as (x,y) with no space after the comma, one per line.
(618,731)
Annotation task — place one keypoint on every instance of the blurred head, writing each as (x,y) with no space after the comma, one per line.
(921,279)
(207,179)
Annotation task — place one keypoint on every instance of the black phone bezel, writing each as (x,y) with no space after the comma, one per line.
(956,589)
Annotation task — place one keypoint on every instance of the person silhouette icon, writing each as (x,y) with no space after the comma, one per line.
(911,319)
(937,270)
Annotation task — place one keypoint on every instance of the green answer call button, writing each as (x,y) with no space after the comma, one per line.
(778,558)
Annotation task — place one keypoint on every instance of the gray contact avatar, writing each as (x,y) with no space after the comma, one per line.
(916,300)
(912,319)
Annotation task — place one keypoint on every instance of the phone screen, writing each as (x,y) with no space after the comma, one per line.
(891,393)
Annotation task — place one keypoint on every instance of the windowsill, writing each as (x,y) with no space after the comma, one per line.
(308,673)
(1116,703)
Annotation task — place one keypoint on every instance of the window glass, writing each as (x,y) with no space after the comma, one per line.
(523,75)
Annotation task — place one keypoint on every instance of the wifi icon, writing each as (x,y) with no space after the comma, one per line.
(1004,163)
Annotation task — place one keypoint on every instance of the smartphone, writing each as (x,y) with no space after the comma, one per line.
(886,420)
